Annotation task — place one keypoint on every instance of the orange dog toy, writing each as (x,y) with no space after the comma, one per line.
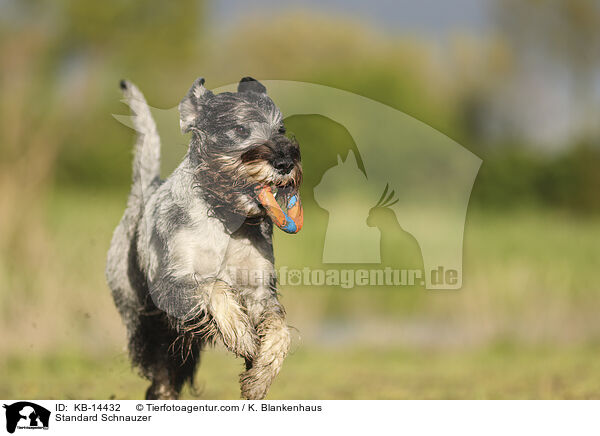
(289,221)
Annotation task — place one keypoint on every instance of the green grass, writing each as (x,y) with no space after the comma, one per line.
(500,372)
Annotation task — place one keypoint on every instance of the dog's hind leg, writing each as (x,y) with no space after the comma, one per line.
(157,349)
(274,338)
(176,369)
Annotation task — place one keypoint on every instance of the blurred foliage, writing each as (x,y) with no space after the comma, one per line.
(71,54)
(559,35)
(515,176)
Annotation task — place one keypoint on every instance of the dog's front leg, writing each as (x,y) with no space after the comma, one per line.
(229,320)
(210,309)
(274,339)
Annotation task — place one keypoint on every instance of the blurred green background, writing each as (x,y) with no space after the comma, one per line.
(515,82)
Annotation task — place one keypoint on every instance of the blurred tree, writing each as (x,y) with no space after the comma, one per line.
(154,43)
(567,31)
(135,34)
(30,136)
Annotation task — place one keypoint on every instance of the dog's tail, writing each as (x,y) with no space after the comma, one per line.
(146,160)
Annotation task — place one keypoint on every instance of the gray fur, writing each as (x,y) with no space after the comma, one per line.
(174,256)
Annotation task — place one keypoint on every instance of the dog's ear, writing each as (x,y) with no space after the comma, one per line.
(189,108)
(248,84)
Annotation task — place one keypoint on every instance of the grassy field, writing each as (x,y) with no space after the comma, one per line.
(530,282)
(501,372)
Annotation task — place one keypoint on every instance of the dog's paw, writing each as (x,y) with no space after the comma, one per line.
(255,383)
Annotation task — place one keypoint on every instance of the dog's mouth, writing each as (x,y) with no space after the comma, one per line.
(275,180)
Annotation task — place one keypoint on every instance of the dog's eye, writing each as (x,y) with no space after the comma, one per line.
(281,130)
(241,131)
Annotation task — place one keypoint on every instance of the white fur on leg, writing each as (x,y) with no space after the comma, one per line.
(274,345)
(231,321)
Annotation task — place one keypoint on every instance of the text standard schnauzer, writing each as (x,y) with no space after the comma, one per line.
(179,259)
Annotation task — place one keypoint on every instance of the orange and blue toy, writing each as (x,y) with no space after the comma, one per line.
(290,220)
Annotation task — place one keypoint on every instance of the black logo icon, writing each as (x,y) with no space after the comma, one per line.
(26,415)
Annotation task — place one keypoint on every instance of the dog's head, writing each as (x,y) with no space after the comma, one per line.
(239,142)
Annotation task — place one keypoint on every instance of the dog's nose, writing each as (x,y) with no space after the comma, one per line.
(284,166)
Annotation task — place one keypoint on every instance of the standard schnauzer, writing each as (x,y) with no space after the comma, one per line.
(179,259)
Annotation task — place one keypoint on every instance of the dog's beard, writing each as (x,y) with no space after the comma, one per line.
(258,169)
(262,173)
